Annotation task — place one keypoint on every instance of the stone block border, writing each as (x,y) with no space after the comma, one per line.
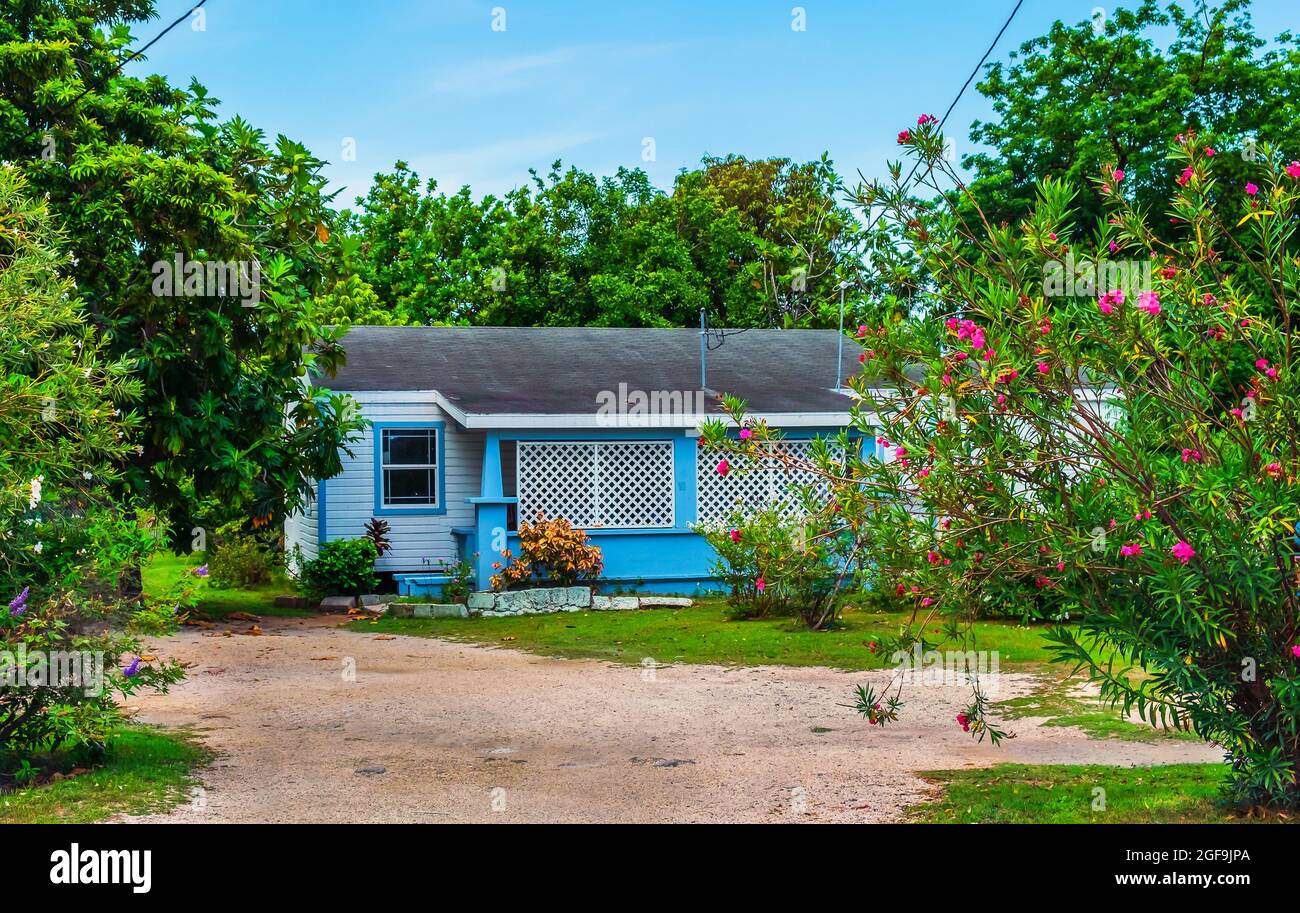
(564,599)
(542,601)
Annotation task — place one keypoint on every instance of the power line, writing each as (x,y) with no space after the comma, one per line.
(721,335)
(118,69)
(964,86)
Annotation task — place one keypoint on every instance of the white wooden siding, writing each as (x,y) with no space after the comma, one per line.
(300,529)
(420,543)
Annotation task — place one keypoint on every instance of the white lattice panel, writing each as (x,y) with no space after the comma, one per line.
(609,485)
(753,483)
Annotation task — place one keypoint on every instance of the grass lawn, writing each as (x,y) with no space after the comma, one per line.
(146,770)
(165,570)
(1057,706)
(1066,794)
(703,634)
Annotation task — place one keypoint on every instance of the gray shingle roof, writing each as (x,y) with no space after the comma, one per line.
(561,370)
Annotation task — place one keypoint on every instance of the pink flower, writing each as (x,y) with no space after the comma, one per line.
(1149,302)
(1293,169)
(723,467)
(932,557)
(1251,189)
(923,473)
(1187,175)
(760,584)
(1209,150)
(1113,246)
(746,433)
(735,535)
(1182,551)
(927,601)
(1295,651)
(947,379)
(977,339)
(926,119)
(904,136)
(1261,364)
(1001,399)
(1191,456)
(1274,469)
(1044,368)
(964,722)
(1131,550)
(1052,234)
(1271,373)
(1117,175)
(900,452)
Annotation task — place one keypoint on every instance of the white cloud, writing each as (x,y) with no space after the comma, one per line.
(508,74)
(501,166)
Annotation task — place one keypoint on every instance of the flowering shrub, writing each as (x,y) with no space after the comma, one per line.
(1099,414)
(550,552)
(772,565)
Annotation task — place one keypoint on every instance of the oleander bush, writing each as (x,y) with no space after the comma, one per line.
(1101,421)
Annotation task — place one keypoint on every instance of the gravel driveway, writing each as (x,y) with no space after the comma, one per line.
(313,722)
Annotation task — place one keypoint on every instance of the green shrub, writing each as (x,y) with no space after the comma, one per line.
(344,567)
(71,648)
(772,565)
(239,563)
(462,580)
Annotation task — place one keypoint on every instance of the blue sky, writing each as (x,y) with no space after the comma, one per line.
(593,83)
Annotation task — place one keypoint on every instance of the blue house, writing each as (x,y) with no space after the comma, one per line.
(476,428)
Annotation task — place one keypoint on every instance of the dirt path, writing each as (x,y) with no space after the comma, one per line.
(467,733)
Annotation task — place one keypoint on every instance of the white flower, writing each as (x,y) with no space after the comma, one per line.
(38,548)
(35,497)
(87,475)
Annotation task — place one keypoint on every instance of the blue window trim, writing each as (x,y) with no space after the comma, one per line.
(382,510)
(321,517)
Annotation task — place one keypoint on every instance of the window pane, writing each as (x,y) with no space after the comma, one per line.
(415,447)
(410,486)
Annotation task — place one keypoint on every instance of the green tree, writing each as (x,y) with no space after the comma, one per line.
(771,239)
(65,428)
(140,176)
(1115,89)
(755,243)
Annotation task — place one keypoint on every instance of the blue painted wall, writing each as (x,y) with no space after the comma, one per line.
(675,560)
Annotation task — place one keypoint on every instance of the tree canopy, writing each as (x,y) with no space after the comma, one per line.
(1111,91)
(144,180)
